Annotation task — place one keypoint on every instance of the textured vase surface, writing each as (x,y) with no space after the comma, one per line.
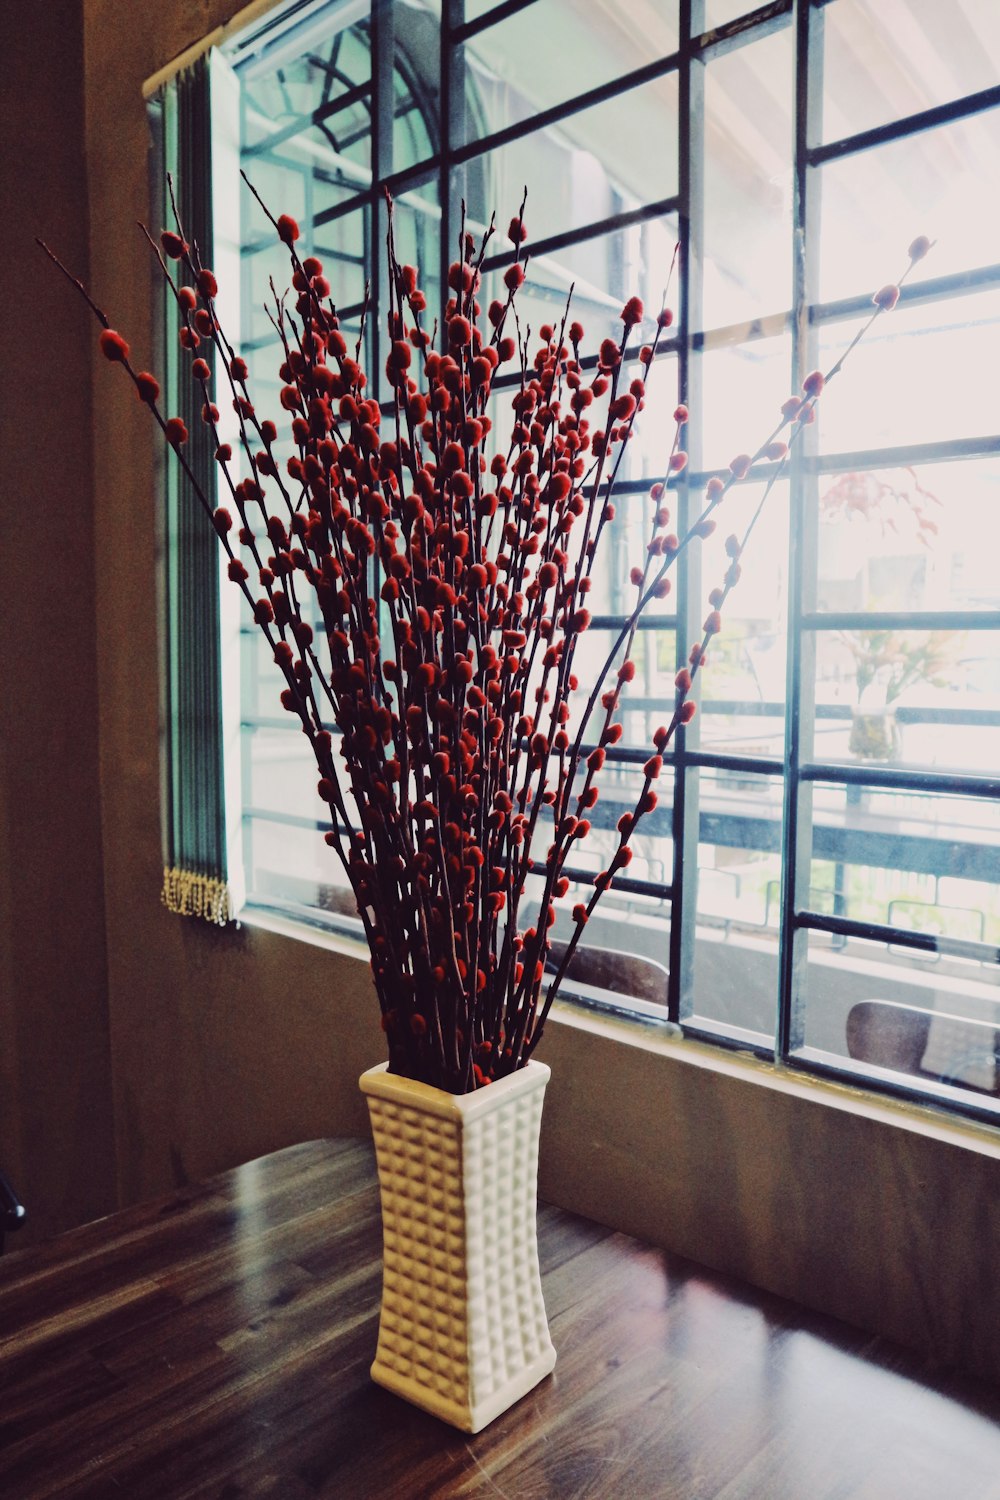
(462,1330)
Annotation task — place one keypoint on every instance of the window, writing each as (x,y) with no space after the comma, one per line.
(833,841)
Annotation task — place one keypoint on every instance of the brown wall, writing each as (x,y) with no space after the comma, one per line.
(56,1134)
(137,1049)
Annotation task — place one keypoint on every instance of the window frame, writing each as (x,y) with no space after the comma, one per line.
(804,323)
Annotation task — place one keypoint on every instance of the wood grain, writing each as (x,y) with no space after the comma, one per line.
(215,1345)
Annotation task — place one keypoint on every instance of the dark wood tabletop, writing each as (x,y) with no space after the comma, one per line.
(215,1345)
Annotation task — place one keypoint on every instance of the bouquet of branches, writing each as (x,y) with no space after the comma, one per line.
(449,592)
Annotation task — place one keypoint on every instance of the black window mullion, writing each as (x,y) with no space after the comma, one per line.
(451,129)
(902,779)
(383,55)
(451,160)
(800,715)
(762,22)
(896,130)
(691,139)
(570,238)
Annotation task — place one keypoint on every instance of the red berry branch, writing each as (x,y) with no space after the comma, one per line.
(430,599)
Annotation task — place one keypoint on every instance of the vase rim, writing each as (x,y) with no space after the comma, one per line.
(379,1082)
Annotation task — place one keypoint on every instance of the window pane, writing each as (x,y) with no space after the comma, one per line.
(909,697)
(625,948)
(892,390)
(937,1022)
(922,861)
(646,701)
(416,131)
(884,59)
(743,386)
(739,882)
(289,864)
(556,49)
(475,8)
(623,957)
(909,538)
(748,181)
(313,114)
(931,183)
(742,691)
(587,167)
(604,272)
(721,12)
(280,774)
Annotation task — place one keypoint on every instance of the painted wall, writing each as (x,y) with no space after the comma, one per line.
(56,1128)
(138,1050)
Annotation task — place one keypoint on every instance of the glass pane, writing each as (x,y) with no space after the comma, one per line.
(345,248)
(416,119)
(652,440)
(909,538)
(603,272)
(626,944)
(909,697)
(291,95)
(742,690)
(934,183)
(476,8)
(624,547)
(743,386)
(721,12)
(739,881)
(922,861)
(586,167)
(556,49)
(289,864)
(308,117)
(280,772)
(647,700)
(748,181)
(885,59)
(624,954)
(899,1017)
(918,376)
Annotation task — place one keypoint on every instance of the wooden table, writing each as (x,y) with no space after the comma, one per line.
(215,1345)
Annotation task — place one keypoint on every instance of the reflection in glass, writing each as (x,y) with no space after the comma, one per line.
(743,386)
(742,692)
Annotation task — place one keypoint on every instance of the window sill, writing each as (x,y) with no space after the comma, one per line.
(665,1040)
(927,1120)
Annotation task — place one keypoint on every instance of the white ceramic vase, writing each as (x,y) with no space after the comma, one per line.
(462,1330)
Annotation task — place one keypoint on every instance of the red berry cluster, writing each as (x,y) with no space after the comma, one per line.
(429,598)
